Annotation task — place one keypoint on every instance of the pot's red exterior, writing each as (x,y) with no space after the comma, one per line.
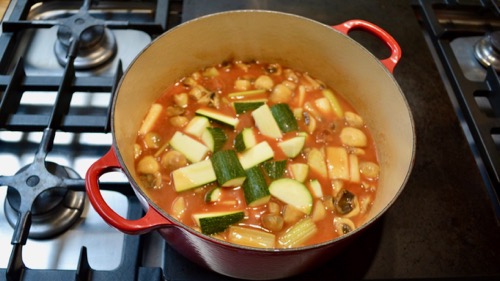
(213,254)
(234,260)
(250,264)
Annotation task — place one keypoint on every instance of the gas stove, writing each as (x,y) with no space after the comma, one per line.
(464,38)
(60,61)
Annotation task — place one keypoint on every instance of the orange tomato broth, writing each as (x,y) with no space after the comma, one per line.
(233,198)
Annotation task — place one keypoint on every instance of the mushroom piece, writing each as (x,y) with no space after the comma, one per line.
(210,99)
(153,181)
(242,84)
(264,82)
(189,82)
(369,169)
(181,100)
(149,171)
(178,121)
(281,94)
(197,92)
(148,165)
(291,76)
(272,222)
(174,111)
(343,225)
(173,160)
(273,68)
(152,140)
(346,204)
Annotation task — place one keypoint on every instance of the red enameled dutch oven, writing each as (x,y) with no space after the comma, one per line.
(326,53)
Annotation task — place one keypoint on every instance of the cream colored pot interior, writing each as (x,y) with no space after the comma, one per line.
(293,41)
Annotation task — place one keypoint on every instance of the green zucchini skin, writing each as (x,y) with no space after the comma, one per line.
(244,139)
(242,107)
(218,117)
(255,187)
(218,222)
(284,117)
(219,137)
(213,195)
(239,142)
(227,168)
(274,169)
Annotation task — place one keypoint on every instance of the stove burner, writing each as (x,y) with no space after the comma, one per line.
(487,50)
(54,210)
(96,44)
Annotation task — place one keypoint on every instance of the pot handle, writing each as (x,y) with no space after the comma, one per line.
(395,56)
(108,163)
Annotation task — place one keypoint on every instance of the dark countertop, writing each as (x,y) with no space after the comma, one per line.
(443,225)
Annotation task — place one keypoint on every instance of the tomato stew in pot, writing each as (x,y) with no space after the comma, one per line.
(258,154)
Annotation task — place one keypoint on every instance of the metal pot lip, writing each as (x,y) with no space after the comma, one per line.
(177,224)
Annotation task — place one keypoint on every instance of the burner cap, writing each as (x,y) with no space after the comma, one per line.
(54,210)
(487,50)
(96,43)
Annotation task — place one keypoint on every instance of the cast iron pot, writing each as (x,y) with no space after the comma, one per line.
(326,53)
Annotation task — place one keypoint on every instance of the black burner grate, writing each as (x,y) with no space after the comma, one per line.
(49,119)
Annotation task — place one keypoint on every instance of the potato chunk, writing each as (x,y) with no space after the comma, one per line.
(353,137)
(353,119)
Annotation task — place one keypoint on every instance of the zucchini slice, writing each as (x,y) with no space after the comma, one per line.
(197,126)
(217,116)
(284,117)
(194,150)
(256,155)
(213,195)
(255,187)
(292,147)
(245,139)
(227,168)
(292,192)
(214,138)
(215,222)
(274,169)
(244,106)
(194,175)
(266,123)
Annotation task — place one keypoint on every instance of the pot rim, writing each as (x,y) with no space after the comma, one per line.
(178,224)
